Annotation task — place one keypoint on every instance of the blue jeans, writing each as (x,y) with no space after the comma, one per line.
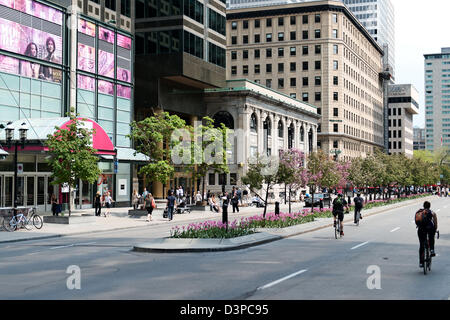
(170,212)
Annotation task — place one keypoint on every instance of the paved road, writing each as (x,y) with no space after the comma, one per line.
(309,266)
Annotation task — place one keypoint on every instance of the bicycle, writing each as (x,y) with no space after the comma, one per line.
(428,258)
(337,228)
(358,217)
(21,221)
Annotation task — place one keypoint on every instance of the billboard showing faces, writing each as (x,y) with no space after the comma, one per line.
(106,35)
(38,44)
(29,69)
(106,87)
(123,91)
(35,9)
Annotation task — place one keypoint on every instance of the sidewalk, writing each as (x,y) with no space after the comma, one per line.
(119,219)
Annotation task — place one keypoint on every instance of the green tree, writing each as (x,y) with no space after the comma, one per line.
(71,155)
(153,137)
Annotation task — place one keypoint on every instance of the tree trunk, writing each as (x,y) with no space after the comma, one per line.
(70,200)
(203,189)
(312,200)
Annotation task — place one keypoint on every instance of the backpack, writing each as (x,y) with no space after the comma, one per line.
(358,202)
(422,218)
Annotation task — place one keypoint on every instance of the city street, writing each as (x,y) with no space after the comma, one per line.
(309,266)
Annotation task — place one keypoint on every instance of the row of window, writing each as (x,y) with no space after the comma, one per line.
(292,66)
(280,21)
(293,36)
(394,112)
(222,179)
(280,51)
(395,133)
(393,145)
(395,123)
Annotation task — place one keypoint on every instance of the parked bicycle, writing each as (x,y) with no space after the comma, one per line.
(14,222)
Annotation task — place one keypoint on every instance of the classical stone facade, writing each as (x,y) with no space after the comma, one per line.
(264,120)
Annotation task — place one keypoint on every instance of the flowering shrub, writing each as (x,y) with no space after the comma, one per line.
(282,220)
(212,229)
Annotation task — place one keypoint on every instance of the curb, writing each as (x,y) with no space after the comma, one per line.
(275,237)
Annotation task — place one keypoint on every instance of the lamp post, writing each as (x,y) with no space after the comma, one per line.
(9,131)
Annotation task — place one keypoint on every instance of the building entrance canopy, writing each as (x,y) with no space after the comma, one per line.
(40,128)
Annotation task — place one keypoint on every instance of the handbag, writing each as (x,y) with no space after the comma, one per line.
(153,204)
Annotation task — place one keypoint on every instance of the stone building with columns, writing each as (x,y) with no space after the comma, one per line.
(264,121)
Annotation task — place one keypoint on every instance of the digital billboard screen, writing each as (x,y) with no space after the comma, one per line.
(35,9)
(106,64)
(123,91)
(29,69)
(86,83)
(106,35)
(106,87)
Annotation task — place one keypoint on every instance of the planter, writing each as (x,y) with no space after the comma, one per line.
(69,220)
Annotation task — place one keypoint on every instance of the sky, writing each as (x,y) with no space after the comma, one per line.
(421,27)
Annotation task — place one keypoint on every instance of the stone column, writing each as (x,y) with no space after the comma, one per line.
(275,118)
(261,117)
(307,127)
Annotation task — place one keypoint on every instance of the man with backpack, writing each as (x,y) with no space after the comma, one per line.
(426,221)
(358,205)
(338,210)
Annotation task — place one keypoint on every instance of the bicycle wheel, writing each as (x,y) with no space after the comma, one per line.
(9,224)
(425,262)
(357,218)
(27,223)
(37,221)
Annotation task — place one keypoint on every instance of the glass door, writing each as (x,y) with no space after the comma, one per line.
(41,194)
(20,191)
(30,191)
(8,186)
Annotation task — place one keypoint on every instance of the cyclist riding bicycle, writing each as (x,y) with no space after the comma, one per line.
(426,221)
(338,210)
(359,204)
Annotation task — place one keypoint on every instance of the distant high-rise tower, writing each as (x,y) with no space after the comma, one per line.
(437,100)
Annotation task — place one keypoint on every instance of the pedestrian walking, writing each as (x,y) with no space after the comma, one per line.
(149,205)
(171,205)
(235,202)
(108,204)
(135,199)
(98,204)
(54,203)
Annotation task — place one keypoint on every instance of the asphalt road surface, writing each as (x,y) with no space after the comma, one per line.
(376,260)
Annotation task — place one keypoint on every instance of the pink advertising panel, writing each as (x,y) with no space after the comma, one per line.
(86,27)
(106,34)
(31,42)
(123,41)
(35,9)
(86,83)
(105,64)
(105,87)
(86,58)
(123,91)
(123,75)
(29,69)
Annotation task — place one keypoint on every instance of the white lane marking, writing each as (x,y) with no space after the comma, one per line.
(86,243)
(70,245)
(360,245)
(393,230)
(282,279)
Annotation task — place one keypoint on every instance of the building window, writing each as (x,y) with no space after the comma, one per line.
(233,40)
(305,19)
(305,34)
(245,54)
(335,49)
(317,18)
(317,81)
(394,112)
(268,22)
(280,21)
(395,134)
(280,36)
(257,23)
(233,55)
(317,33)
(305,65)
(293,95)
(245,24)
(212,179)
(335,144)
(268,37)
(305,96)
(253,123)
(335,33)
(280,129)
(293,66)
(335,96)
(269,83)
(399,111)
(319,110)
(257,53)
(293,35)
(281,52)
(399,122)
(257,68)
(293,51)
(317,65)
(257,38)
(234,25)
(233,70)
(399,144)
(280,83)
(269,53)
(335,127)
(292,18)
(335,18)
(233,179)
(335,80)
(335,65)
(317,49)
(245,69)
(335,112)
(399,133)
(280,67)
(305,81)
(305,50)
(222,179)
(268,68)
(318,96)
(293,82)
(245,39)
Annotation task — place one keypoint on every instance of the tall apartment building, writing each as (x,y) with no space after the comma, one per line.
(377,16)
(437,100)
(52,58)
(319,53)
(402,100)
(419,138)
